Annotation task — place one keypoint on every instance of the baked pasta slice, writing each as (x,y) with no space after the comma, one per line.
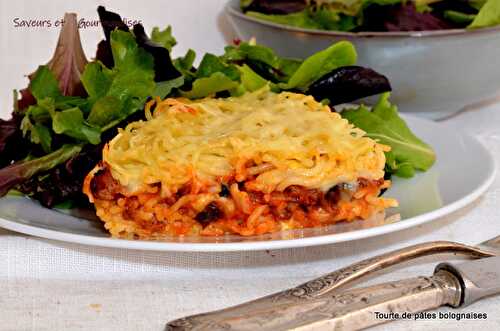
(248,165)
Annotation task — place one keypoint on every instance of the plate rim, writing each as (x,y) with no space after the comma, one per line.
(268,244)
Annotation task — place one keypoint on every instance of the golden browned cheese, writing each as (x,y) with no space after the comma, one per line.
(297,140)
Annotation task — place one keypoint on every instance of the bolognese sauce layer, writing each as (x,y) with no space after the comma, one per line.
(231,208)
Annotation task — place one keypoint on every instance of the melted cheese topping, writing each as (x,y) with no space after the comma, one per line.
(279,139)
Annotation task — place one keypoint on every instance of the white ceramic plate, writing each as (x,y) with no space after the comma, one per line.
(464,170)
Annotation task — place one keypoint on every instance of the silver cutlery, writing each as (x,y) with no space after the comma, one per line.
(322,304)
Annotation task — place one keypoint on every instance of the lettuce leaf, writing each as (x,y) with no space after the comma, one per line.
(104,111)
(458,17)
(211,64)
(97,80)
(273,6)
(329,19)
(164,37)
(69,60)
(163,89)
(38,133)
(319,64)
(20,171)
(217,82)
(347,84)
(408,152)
(71,123)
(44,84)
(12,144)
(300,19)
(185,63)
(489,15)
(262,60)
(250,80)
(376,15)
(115,94)
(71,101)
(110,22)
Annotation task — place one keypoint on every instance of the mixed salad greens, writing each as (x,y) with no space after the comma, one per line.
(72,107)
(376,15)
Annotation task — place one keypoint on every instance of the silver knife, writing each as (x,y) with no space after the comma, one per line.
(320,305)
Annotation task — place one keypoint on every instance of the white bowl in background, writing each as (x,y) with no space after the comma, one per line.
(434,73)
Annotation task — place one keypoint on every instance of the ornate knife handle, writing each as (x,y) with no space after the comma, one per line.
(356,271)
(313,292)
(350,310)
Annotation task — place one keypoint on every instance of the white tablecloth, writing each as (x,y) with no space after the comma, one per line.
(48,285)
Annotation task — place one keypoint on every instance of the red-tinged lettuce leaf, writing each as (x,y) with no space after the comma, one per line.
(401,17)
(163,66)
(68,61)
(67,64)
(109,21)
(17,173)
(274,7)
(349,83)
(27,99)
(12,144)
(64,182)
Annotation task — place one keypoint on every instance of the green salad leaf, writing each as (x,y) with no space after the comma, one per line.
(44,84)
(113,95)
(339,54)
(250,79)
(300,19)
(40,134)
(96,80)
(329,19)
(205,86)
(116,94)
(71,123)
(104,111)
(337,15)
(211,64)
(459,17)
(489,15)
(263,60)
(164,88)
(477,4)
(408,152)
(164,38)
